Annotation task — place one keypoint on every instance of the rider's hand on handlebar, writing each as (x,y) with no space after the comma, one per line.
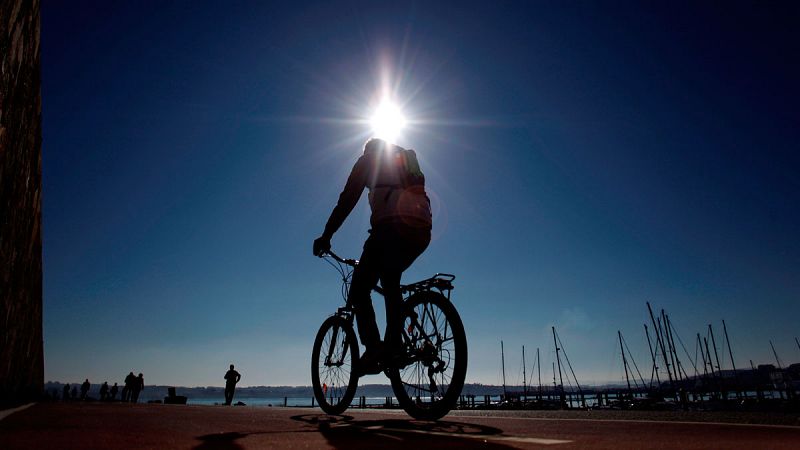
(322,245)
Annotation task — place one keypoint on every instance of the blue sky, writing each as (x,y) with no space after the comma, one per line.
(582,158)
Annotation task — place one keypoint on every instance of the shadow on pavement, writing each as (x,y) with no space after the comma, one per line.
(344,432)
(221,441)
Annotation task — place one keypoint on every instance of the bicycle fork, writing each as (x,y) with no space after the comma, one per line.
(332,349)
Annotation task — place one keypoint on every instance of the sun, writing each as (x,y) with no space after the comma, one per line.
(387,121)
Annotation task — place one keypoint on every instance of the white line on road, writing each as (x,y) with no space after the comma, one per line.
(7,412)
(643,421)
(481,437)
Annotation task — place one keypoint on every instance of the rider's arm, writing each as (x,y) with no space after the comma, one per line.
(356,183)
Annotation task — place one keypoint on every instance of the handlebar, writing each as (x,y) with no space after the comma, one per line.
(337,258)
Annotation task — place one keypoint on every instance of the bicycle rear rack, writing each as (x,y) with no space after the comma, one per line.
(441,281)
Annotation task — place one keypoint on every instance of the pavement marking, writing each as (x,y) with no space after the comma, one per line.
(482,437)
(455,414)
(7,412)
(679,422)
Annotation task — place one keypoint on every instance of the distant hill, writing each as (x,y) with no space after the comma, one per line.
(217,392)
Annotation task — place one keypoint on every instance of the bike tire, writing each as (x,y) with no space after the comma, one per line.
(408,382)
(335,385)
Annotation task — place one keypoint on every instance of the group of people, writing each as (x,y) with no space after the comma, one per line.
(133,387)
(130,392)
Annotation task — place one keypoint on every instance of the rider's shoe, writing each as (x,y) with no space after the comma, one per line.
(370,362)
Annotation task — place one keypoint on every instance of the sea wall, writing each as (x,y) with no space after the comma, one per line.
(21,350)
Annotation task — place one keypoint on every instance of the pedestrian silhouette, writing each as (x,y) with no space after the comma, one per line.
(74,392)
(128,389)
(138,386)
(104,391)
(400,231)
(85,389)
(113,392)
(65,396)
(231,378)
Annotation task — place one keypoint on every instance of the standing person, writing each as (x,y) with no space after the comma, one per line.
(104,391)
(126,391)
(138,387)
(113,393)
(231,378)
(85,389)
(400,231)
(65,395)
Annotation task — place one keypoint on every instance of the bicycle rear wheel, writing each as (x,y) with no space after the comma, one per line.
(333,365)
(428,374)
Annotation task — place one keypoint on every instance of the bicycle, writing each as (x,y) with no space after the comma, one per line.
(427,371)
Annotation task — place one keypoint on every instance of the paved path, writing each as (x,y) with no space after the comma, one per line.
(119,426)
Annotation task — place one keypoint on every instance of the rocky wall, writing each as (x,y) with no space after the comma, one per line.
(21,349)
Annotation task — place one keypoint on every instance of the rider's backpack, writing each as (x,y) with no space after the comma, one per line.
(398,190)
(408,167)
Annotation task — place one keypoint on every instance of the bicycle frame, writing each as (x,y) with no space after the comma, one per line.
(441,282)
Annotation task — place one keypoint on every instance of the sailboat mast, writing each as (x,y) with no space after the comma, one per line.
(730,352)
(524,376)
(503,362)
(724,392)
(778,360)
(679,366)
(660,342)
(670,345)
(714,343)
(539,365)
(558,360)
(653,357)
(710,361)
(703,355)
(624,361)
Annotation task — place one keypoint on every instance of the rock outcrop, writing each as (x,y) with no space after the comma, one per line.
(21,349)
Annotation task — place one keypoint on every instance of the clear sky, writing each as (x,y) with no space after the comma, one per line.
(582,158)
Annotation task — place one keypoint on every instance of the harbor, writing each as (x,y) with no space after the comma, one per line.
(673,380)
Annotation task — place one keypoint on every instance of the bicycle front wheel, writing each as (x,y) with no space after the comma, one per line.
(428,373)
(333,364)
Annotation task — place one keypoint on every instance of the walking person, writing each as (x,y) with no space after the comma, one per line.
(85,389)
(138,387)
(113,394)
(104,391)
(231,378)
(65,395)
(128,389)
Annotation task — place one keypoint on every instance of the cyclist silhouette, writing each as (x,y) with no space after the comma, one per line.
(400,231)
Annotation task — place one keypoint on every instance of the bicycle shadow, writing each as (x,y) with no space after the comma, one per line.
(221,441)
(346,433)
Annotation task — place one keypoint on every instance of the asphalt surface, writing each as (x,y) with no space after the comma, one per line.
(122,426)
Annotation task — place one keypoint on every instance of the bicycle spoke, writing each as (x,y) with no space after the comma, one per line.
(334,367)
(428,377)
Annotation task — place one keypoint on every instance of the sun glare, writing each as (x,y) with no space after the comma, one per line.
(387,121)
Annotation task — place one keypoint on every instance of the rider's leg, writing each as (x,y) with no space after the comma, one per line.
(403,246)
(365,277)
(390,280)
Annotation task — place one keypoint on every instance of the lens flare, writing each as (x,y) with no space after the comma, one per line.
(387,121)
